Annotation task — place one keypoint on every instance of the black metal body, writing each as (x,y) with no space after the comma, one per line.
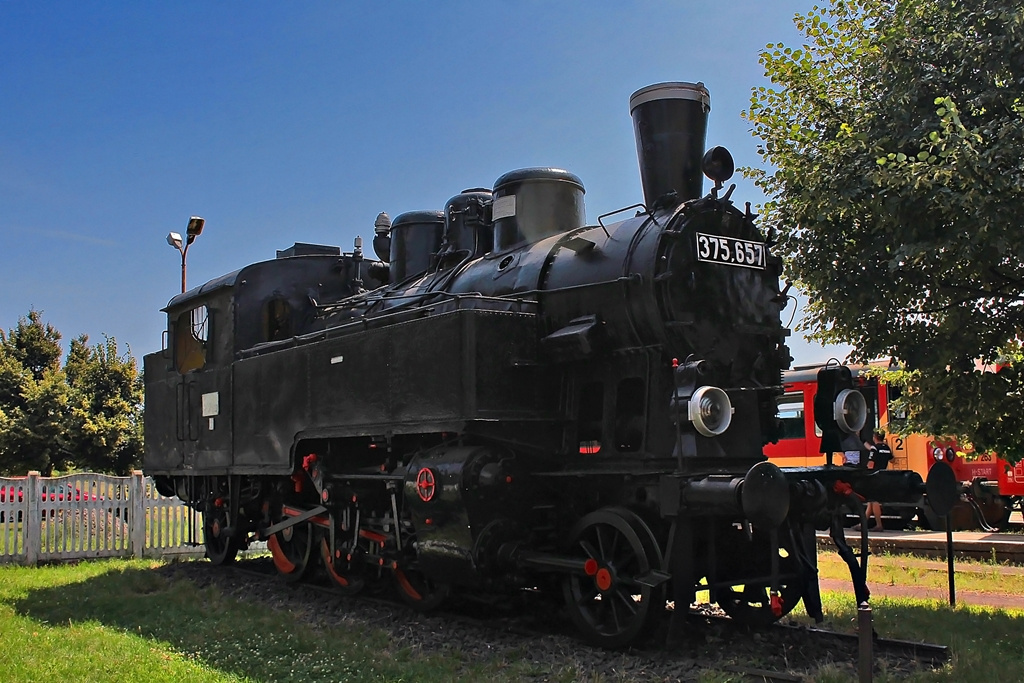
(474,422)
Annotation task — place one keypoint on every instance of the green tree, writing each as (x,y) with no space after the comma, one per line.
(86,415)
(105,425)
(34,345)
(37,436)
(13,380)
(33,398)
(896,135)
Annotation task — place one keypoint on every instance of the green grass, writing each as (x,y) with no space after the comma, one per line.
(987,645)
(905,570)
(119,620)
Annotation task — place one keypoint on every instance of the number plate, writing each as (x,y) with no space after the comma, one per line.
(730,251)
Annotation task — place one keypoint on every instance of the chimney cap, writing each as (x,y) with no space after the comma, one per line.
(675,90)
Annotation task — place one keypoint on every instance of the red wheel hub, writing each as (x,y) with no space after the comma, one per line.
(603,579)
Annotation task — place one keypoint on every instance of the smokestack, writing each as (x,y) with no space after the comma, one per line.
(670,121)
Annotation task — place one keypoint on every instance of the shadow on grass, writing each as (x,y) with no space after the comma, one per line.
(260,643)
(236,638)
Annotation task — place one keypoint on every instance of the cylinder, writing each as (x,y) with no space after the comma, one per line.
(714,495)
(670,123)
(415,238)
(533,203)
(467,229)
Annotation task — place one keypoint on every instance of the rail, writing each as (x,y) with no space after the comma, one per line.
(85,516)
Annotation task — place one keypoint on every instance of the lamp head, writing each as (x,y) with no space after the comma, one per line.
(195,227)
(718,165)
(174,239)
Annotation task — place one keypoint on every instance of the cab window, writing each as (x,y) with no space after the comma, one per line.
(191,339)
(871,398)
(277,320)
(897,411)
(791,416)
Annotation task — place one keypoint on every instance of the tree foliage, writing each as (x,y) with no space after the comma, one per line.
(105,422)
(897,137)
(35,346)
(84,415)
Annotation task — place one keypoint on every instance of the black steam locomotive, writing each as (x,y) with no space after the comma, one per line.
(512,398)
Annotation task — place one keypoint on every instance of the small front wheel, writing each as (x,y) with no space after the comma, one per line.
(221,545)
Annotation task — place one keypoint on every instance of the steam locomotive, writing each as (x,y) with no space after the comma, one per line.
(511,397)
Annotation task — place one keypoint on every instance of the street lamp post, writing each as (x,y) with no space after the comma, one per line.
(195,228)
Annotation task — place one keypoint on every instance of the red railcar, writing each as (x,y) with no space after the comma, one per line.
(993,487)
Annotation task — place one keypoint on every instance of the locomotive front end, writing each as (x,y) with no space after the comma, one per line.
(690,282)
(717,282)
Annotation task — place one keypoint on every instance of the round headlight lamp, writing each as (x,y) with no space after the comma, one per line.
(710,411)
(850,411)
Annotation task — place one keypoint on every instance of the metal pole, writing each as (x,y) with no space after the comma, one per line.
(865,633)
(183,251)
(949,560)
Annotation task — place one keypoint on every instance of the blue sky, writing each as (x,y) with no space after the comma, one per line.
(300,122)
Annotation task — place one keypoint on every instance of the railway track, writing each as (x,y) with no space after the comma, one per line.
(532,622)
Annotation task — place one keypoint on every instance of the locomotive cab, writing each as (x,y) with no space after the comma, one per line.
(207,328)
(191,380)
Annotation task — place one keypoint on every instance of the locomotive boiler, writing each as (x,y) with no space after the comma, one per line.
(513,397)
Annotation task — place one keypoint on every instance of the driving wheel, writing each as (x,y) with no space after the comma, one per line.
(617,597)
(291,550)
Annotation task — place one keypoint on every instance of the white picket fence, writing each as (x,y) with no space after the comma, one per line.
(78,516)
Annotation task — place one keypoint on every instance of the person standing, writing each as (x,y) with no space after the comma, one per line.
(879,457)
